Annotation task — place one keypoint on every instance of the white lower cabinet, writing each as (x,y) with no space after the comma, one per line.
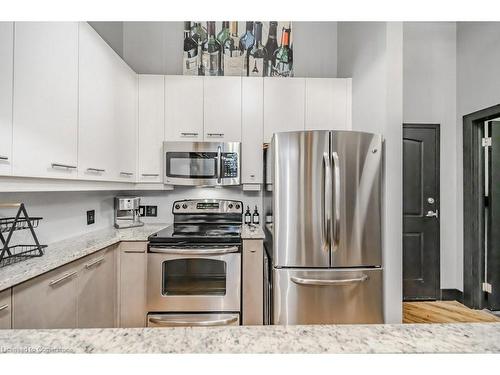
(6,76)
(132,276)
(6,309)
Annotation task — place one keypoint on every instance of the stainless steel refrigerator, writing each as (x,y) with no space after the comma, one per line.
(323,197)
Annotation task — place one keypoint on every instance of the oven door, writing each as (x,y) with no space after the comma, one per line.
(201,163)
(194,279)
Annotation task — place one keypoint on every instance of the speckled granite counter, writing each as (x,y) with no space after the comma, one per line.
(252,232)
(407,338)
(68,250)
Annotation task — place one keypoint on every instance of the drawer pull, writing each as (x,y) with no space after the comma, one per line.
(318,282)
(189,134)
(4,157)
(220,135)
(127,173)
(62,278)
(58,165)
(3,307)
(150,174)
(97,170)
(94,263)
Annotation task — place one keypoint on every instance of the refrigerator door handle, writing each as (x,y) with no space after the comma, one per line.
(336,208)
(326,200)
(335,282)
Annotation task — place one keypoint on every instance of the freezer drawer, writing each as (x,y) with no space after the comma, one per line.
(330,296)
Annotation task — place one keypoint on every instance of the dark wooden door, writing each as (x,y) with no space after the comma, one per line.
(493,222)
(421,212)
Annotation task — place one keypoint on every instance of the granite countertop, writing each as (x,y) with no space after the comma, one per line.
(70,249)
(252,232)
(389,338)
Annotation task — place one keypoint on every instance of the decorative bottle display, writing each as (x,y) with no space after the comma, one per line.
(256,217)
(190,66)
(257,54)
(199,34)
(222,36)
(247,41)
(248,216)
(232,53)
(269,48)
(283,56)
(211,51)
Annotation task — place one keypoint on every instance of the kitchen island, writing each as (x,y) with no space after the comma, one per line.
(389,338)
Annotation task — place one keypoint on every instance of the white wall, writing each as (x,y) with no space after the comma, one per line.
(371,53)
(429,87)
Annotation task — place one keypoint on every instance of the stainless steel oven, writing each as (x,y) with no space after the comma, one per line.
(202,163)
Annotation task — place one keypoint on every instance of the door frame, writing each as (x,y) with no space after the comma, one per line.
(473,201)
(437,128)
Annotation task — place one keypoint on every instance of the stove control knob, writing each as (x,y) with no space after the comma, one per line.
(237,206)
(177,206)
(184,206)
(230,205)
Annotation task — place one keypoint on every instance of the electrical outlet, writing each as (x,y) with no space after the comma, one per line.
(151,210)
(142,210)
(90,217)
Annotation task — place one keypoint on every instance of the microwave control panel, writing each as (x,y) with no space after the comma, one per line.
(230,165)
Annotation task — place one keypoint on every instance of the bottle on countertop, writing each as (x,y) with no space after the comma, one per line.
(256,217)
(248,216)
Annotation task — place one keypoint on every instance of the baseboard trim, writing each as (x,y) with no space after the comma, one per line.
(452,295)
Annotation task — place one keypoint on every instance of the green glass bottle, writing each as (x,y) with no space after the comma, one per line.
(211,52)
(283,57)
(199,34)
(222,36)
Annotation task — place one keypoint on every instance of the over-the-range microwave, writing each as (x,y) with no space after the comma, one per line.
(202,163)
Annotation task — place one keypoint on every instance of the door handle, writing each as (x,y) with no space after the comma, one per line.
(326,200)
(336,209)
(219,161)
(432,214)
(3,307)
(336,282)
(202,323)
(95,262)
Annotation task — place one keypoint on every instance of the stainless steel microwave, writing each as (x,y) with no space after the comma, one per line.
(202,163)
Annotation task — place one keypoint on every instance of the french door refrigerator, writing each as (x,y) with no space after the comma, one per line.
(323,189)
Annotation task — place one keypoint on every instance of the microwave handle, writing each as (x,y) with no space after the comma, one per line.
(219,161)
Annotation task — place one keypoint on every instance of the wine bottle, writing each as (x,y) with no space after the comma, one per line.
(255,217)
(190,52)
(222,36)
(211,50)
(269,49)
(248,216)
(199,34)
(247,41)
(283,59)
(257,54)
(233,61)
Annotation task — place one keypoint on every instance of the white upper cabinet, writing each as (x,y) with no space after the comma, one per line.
(222,109)
(100,86)
(328,104)
(284,102)
(6,72)
(151,127)
(45,129)
(183,108)
(252,117)
(126,127)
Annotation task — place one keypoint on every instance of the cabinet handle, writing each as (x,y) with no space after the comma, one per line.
(127,173)
(62,278)
(58,165)
(3,307)
(189,134)
(98,170)
(218,135)
(94,263)
(4,157)
(150,174)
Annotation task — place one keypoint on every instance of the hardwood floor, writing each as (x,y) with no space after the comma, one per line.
(444,312)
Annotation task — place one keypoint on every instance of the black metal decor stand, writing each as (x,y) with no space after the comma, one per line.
(15,253)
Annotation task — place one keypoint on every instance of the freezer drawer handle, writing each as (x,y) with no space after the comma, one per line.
(181,251)
(203,323)
(317,282)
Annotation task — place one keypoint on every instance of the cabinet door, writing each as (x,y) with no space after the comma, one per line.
(183,108)
(6,73)
(126,126)
(132,284)
(47,301)
(6,309)
(222,109)
(98,115)
(151,127)
(328,104)
(284,101)
(253,282)
(97,292)
(252,112)
(45,126)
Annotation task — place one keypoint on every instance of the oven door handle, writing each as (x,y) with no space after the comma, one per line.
(181,251)
(201,323)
